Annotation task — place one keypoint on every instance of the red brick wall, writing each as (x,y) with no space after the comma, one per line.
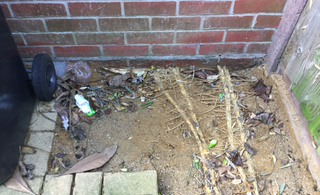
(149,29)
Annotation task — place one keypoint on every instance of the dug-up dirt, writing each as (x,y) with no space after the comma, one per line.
(256,149)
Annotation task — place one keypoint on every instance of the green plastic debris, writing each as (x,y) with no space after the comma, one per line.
(287,165)
(282,188)
(144,104)
(224,162)
(196,163)
(91,113)
(212,143)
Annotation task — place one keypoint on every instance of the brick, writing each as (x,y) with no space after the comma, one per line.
(221,49)
(77,51)
(258,47)
(258,35)
(100,38)
(267,21)
(18,39)
(38,9)
(122,62)
(57,185)
(95,9)
(254,6)
(186,23)
(26,25)
(49,39)
(240,63)
(150,8)
(40,161)
(213,62)
(114,50)
(88,183)
(166,50)
(5,10)
(30,52)
(204,7)
(124,24)
(63,25)
(227,22)
(148,63)
(140,38)
(200,37)
(135,183)
(40,123)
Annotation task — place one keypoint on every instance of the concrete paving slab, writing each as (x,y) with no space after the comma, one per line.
(132,183)
(34,184)
(54,185)
(88,183)
(41,140)
(40,161)
(40,123)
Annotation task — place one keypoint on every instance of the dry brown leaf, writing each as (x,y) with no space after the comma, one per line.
(75,118)
(17,183)
(93,161)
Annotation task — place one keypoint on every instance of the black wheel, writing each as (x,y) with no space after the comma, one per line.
(44,78)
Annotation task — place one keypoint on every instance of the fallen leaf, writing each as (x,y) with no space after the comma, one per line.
(77,132)
(233,152)
(201,75)
(264,117)
(236,159)
(17,183)
(249,149)
(93,161)
(262,185)
(250,179)
(108,111)
(62,96)
(215,123)
(75,118)
(277,130)
(118,80)
(223,169)
(83,117)
(212,163)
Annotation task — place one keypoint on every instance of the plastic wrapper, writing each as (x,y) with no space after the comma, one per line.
(79,71)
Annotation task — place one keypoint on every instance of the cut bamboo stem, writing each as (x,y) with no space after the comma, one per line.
(243,136)
(198,130)
(196,135)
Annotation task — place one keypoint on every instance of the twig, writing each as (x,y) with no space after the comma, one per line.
(176,126)
(50,119)
(171,119)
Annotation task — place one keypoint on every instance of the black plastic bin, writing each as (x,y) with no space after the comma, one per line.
(17,101)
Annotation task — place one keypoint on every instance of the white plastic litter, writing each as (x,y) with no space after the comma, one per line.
(139,74)
(65,122)
(82,103)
